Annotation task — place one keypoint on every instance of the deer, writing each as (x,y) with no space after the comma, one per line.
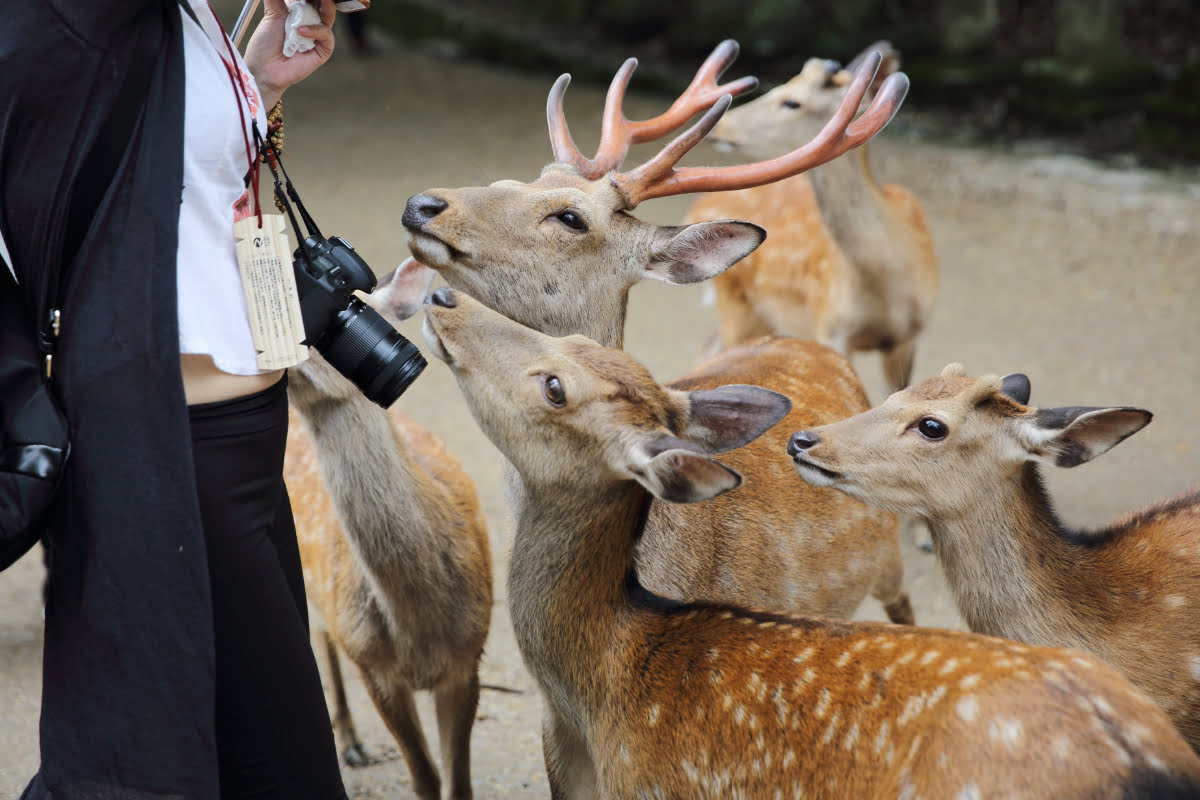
(966,455)
(561,254)
(850,262)
(394,548)
(647,697)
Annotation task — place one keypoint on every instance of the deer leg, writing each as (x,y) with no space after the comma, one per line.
(898,365)
(569,768)
(395,705)
(349,745)
(456,704)
(889,590)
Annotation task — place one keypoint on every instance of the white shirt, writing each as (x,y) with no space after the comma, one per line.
(212,306)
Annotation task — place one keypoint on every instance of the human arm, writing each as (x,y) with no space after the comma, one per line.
(273,71)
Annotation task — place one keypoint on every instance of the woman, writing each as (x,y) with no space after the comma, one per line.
(176,659)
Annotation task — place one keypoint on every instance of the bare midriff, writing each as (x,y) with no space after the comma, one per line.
(204,383)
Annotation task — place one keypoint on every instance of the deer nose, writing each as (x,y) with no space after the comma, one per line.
(420,209)
(801,441)
(444,297)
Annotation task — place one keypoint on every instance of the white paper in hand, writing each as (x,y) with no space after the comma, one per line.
(299,13)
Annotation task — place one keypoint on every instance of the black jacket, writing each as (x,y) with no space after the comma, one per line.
(127,697)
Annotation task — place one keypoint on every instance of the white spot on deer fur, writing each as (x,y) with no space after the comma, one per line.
(752,648)
(804,679)
(624,753)
(907,657)
(1174,601)
(766,625)
(691,771)
(1102,705)
(843,659)
(1083,662)
(727,703)
(822,704)
(726,615)
(949,666)
(914,706)
(1155,762)
(1194,667)
(827,737)
(700,712)
(1061,747)
(864,681)
(929,658)
(713,653)
(716,677)
(653,717)
(969,681)
(1007,731)
(851,738)
(936,695)
(967,709)
(804,656)
(888,645)
(969,792)
(789,758)
(739,714)
(797,791)
(859,645)
(881,738)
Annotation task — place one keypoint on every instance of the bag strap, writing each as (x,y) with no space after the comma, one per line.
(95,177)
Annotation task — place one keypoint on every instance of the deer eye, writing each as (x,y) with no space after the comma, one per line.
(572,221)
(792,104)
(552,388)
(933,429)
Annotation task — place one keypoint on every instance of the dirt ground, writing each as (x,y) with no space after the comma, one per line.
(1085,279)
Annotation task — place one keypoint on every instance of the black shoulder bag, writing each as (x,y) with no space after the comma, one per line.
(34,433)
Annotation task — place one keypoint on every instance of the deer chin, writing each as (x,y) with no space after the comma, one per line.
(429,331)
(813,473)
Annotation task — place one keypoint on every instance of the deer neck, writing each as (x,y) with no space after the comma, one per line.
(1014,571)
(377,487)
(567,586)
(853,209)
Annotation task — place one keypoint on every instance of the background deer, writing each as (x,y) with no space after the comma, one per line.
(650,698)
(395,555)
(849,262)
(561,254)
(964,455)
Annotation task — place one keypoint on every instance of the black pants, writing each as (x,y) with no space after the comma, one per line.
(274,738)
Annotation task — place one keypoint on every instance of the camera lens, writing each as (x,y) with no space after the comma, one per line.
(365,348)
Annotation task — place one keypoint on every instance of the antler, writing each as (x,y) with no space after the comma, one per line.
(618,133)
(659,178)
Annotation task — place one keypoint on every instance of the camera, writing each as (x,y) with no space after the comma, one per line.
(352,336)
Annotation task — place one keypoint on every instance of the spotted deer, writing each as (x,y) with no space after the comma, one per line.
(849,261)
(560,254)
(964,454)
(646,697)
(396,559)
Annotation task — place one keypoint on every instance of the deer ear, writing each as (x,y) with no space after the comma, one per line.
(728,417)
(1067,437)
(401,292)
(699,251)
(1015,386)
(685,476)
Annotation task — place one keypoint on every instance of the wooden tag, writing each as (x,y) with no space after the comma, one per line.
(265,260)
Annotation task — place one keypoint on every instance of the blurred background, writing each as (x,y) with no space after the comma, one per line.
(1052,144)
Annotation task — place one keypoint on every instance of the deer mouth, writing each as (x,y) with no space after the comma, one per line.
(812,472)
(432,251)
(429,331)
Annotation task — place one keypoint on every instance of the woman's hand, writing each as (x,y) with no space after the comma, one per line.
(273,71)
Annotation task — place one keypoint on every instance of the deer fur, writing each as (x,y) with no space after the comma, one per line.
(849,262)
(560,255)
(1129,592)
(647,698)
(396,559)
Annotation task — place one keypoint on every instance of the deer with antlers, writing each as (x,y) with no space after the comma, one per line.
(649,698)
(849,261)
(395,554)
(560,255)
(964,454)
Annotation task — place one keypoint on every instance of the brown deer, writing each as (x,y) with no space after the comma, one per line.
(396,559)
(849,261)
(649,698)
(964,455)
(560,254)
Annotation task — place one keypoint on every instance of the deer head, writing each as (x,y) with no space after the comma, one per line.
(600,416)
(795,111)
(561,253)
(933,449)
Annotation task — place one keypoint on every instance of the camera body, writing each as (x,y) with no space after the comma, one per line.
(352,336)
